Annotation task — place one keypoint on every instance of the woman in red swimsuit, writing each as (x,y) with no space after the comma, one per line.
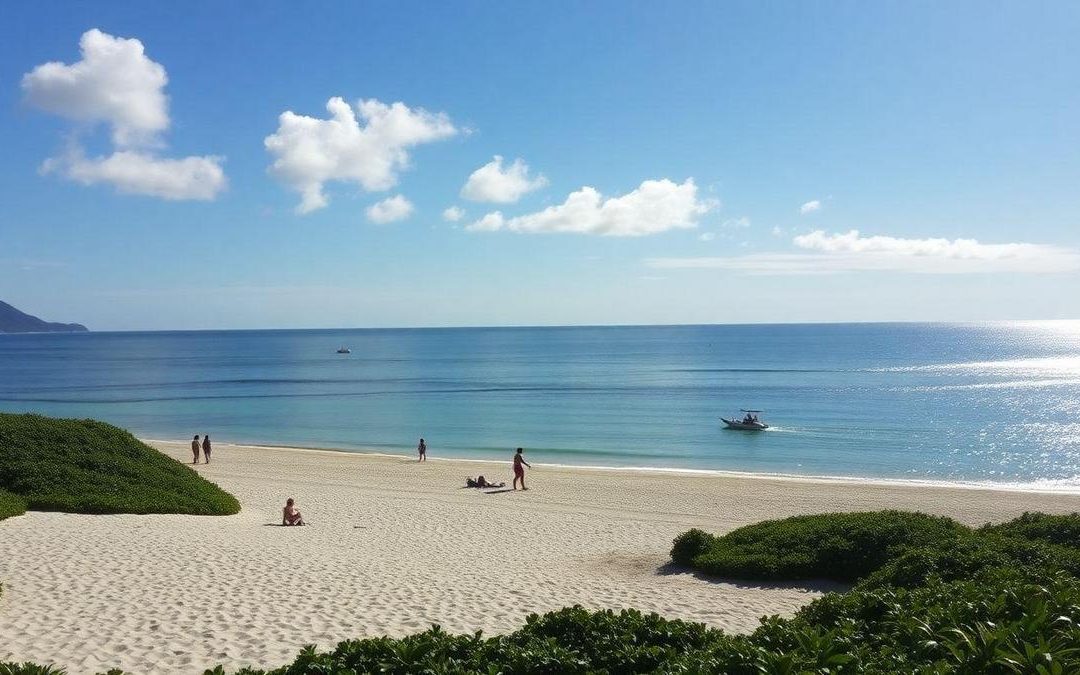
(519,470)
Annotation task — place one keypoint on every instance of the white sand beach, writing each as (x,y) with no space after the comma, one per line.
(394,546)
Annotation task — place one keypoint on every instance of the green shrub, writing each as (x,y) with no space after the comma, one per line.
(972,558)
(11,505)
(12,668)
(838,546)
(689,545)
(1061,530)
(84,466)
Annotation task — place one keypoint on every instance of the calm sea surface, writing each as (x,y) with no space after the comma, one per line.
(973,403)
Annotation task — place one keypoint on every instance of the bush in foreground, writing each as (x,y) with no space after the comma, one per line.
(1055,529)
(837,546)
(11,505)
(84,466)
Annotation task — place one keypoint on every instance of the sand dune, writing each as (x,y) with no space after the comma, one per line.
(393,547)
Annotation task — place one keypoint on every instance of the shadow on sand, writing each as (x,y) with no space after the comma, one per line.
(816,585)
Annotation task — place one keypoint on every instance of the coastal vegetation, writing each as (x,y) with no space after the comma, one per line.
(86,466)
(932,596)
(11,505)
(836,546)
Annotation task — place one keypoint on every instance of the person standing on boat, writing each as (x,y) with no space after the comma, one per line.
(519,470)
(422,451)
(195,449)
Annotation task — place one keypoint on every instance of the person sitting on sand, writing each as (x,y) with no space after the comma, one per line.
(519,470)
(195,449)
(290,515)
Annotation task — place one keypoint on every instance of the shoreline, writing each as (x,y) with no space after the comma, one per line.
(1036,487)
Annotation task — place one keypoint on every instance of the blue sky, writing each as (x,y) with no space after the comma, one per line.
(682,148)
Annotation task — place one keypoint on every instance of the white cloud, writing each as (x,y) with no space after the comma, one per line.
(114,82)
(492,183)
(117,84)
(390,210)
(139,173)
(655,206)
(851,252)
(308,151)
(489,223)
(736,223)
(777,231)
(959,249)
(453,214)
(707,236)
(810,207)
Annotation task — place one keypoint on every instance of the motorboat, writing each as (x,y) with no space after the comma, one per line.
(344,350)
(748,422)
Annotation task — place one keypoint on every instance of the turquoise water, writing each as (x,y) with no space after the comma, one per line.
(971,403)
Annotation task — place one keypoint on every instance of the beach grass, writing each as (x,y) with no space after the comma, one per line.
(86,466)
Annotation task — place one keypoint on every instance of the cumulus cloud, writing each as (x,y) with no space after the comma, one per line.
(707,236)
(810,206)
(132,172)
(115,83)
(851,252)
(390,210)
(367,145)
(453,214)
(493,183)
(736,223)
(653,207)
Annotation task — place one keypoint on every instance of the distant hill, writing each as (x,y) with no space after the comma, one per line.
(14,321)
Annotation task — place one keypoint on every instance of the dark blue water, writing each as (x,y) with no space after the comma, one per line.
(996,403)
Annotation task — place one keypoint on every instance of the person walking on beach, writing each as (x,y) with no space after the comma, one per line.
(206,448)
(519,470)
(422,450)
(195,449)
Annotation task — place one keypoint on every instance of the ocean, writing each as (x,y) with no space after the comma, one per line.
(973,403)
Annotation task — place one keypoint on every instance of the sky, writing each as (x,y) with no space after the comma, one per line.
(343,164)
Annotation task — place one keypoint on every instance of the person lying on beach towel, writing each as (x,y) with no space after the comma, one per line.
(481,482)
(290,515)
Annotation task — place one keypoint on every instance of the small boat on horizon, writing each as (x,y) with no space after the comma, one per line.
(344,350)
(749,422)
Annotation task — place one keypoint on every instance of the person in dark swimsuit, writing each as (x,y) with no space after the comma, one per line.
(519,470)
(195,449)
(422,449)
(206,448)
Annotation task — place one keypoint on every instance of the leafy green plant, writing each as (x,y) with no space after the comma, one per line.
(838,546)
(1063,530)
(85,466)
(11,505)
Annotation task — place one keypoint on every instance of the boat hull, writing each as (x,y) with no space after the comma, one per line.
(744,426)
